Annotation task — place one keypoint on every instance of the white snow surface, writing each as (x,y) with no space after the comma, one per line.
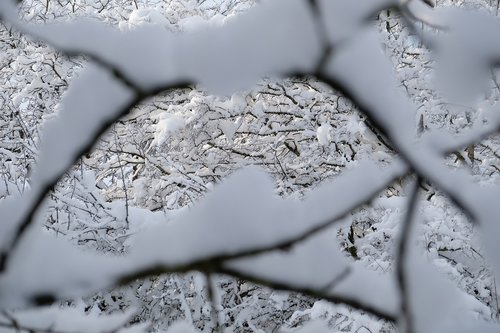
(367,74)
(318,264)
(243,211)
(167,126)
(344,18)
(323,134)
(94,99)
(223,59)
(436,304)
(71,320)
(145,16)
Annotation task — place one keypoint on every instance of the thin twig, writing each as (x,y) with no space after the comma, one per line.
(212,297)
(405,319)
(117,142)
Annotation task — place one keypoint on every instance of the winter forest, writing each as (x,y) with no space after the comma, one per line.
(219,166)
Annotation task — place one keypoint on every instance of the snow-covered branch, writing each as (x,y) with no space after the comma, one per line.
(242,228)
